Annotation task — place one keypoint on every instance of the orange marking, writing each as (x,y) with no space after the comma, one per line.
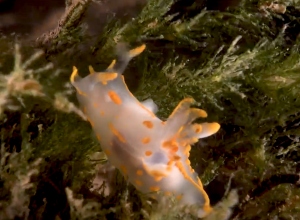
(184,104)
(138,182)
(96,105)
(107,152)
(197,113)
(175,149)
(171,145)
(91,122)
(179,197)
(84,110)
(146,140)
(169,168)
(74,75)
(167,193)
(148,124)
(169,165)
(193,140)
(91,69)
(176,157)
(148,153)
(188,162)
(105,77)
(157,175)
(198,128)
(116,133)
(111,65)
(136,51)
(102,113)
(154,188)
(98,137)
(187,150)
(81,93)
(207,208)
(196,184)
(123,169)
(183,134)
(163,122)
(115,97)
(139,172)
(199,182)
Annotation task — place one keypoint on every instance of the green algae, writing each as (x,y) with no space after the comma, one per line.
(238,66)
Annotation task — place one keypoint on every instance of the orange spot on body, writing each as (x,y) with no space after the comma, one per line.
(157,175)
(146,140)
(175,149)
(96,105)
(102,113)
(84,110)
(179,197)
(115,97)
(171,145)
(170,163)
(148,124)
(154,188)
(123,169)
(176,157)
(138,182)
(167,193)
(198,128)
(148,153)
(169,168)
(117,133)
(107,152)
(98,137)
(139,172)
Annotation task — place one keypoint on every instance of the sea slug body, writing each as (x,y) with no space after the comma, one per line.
(152,154)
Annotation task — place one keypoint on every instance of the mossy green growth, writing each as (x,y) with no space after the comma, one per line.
(234,64)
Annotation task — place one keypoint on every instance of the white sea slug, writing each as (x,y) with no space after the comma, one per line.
(152,154)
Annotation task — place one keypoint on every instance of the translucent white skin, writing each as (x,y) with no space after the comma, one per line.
(151,154)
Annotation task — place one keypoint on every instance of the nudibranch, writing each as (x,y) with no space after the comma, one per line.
(152,154)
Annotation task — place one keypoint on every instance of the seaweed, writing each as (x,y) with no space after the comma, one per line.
(240,64)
